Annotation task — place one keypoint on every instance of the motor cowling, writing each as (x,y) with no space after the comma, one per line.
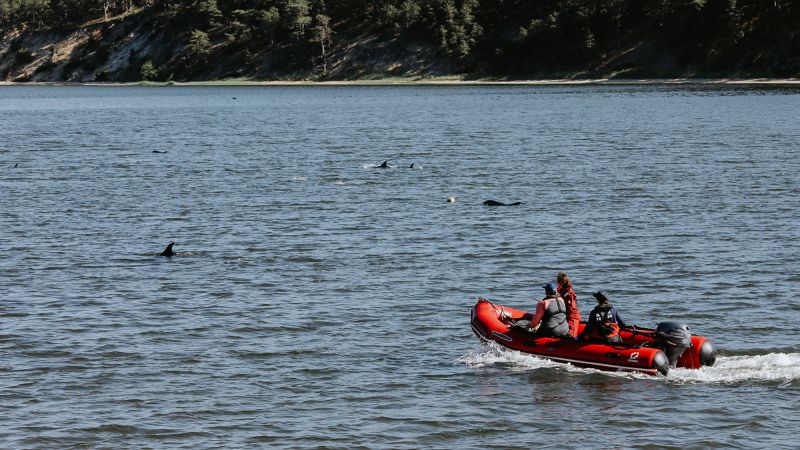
(661,363)
(673,338)
(708,354)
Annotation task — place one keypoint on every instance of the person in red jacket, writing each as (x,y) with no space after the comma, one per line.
(571,301)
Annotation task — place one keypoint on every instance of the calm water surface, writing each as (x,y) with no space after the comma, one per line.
(318,301)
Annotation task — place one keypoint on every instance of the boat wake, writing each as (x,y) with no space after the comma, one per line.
(774,367)
(492,354)
(783,367)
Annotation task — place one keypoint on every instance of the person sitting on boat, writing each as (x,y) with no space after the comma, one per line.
(550,318)
(604,321)
(566,292)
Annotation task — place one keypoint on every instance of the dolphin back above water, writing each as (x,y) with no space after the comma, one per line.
(496,203)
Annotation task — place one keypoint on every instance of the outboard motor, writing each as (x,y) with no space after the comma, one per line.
(673,338)
(708,354)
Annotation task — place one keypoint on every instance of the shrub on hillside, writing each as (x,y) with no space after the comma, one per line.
(149,71)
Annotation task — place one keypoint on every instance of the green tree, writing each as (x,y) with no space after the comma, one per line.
(268,21)
(149,71)
(403,17)
(241,25)
(459,30)
(321,33)
(199,46)
(208,12)
(297,17)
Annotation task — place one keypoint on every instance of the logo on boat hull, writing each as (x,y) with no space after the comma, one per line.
(634,357)
(502,336)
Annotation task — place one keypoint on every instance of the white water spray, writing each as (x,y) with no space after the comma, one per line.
(783,367)
(734,369)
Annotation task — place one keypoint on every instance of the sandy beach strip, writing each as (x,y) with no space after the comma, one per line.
(444,81)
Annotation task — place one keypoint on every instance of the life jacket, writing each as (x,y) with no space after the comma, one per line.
(554,321)
(571,301)
(605,325)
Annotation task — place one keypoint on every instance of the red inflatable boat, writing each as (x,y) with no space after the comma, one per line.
(643,350)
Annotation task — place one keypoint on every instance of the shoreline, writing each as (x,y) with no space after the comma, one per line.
(771,82)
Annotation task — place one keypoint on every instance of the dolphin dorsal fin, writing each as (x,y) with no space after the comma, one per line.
(168,250)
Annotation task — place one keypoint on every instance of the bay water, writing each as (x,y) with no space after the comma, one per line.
(319,301)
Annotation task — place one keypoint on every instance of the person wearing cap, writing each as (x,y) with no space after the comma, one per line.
(604,321)
(566,292)
(550,318)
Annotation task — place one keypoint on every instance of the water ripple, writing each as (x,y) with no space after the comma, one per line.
(318,301)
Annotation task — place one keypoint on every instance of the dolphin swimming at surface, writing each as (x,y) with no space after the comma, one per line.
(496,203)
(168,250)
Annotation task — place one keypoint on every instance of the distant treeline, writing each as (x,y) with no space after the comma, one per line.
(51,13)
(485,37)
